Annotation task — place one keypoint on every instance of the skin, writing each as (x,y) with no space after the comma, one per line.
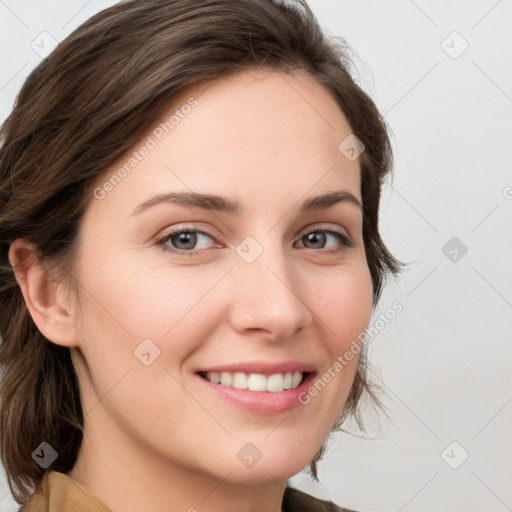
(154,439)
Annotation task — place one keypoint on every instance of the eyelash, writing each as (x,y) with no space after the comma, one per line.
(347,242)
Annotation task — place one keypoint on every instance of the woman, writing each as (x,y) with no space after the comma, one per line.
(189,252)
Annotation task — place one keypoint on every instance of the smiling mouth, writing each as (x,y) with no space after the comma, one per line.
(274,383)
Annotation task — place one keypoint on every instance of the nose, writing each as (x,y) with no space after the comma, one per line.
(269,297)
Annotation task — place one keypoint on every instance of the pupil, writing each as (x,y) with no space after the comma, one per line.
(316,237)
(187,238)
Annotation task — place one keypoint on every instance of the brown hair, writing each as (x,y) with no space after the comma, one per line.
(86,105)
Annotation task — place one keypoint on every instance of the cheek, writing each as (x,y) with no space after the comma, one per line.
(345,311)
(126,304)
(129,302)
(345,307)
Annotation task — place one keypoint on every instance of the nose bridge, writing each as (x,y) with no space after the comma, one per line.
(268,290)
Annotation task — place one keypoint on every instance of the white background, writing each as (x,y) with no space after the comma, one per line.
(446,357)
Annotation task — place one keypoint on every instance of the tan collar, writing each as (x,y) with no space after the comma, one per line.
(61,492)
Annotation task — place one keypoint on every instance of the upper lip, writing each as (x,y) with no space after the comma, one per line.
(261,367)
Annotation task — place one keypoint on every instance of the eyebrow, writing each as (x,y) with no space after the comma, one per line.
(234,206)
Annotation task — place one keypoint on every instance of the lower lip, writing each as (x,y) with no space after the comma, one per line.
(260,402)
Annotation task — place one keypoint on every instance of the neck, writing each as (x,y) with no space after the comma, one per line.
(130,478)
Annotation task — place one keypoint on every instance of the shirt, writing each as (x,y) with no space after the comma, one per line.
(61,493)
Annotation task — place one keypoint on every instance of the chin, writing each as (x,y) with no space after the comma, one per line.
(269,458)
(266,471)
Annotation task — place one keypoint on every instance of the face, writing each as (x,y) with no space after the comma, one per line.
(175,293)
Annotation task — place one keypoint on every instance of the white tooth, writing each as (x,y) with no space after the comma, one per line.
(226,378)
(297,377)
(275,382)
(213,377)
(239,380)
(257,382)
(287,381)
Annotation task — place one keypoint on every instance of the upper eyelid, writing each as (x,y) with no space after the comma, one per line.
(205,231)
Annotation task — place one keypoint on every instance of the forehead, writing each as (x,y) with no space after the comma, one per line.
(252,134)
(261,113)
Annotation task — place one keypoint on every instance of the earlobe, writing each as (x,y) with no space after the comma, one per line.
(41,294)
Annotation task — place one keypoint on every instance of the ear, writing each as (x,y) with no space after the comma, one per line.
(43,296)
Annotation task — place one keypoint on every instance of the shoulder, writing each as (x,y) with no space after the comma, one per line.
(298,501)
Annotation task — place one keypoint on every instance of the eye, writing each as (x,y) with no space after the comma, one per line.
(184,240)
(191,241)
(319,237)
